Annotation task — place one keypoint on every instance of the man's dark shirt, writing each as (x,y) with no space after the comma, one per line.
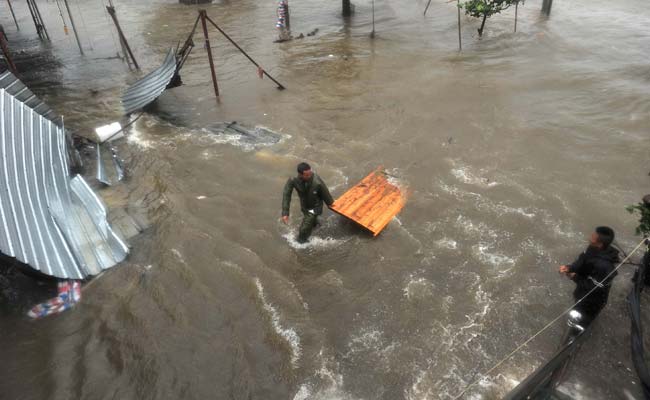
(312,194)
(591,268)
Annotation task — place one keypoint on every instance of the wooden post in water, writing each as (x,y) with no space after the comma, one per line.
(372,34)
(5,51)
(288,17)
(546,6)
(460,43)
(11,8)
(516,10)
(74,27)
(203,15)
(347,8)
(123,41)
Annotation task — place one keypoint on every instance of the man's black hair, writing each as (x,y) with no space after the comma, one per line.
(302,167)
(605,235)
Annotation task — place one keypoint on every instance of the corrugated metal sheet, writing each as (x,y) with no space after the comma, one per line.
(16,88)
(149,88)
(48,220)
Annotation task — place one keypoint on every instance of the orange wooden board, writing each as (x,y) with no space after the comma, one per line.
(372,203)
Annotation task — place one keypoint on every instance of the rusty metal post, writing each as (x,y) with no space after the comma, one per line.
(11,8)
(5,51)
(204,16)
(74,27)
(113,14)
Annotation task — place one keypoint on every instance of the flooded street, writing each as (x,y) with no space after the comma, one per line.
(512,151)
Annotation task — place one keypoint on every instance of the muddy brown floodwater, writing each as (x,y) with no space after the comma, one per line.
(513,150)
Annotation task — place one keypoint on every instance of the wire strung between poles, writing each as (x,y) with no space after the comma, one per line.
(515,351)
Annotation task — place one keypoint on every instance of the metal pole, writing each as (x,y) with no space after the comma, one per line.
(111,12)
(13,14)
(203,15)
(372,34)
(280,86)
(40,19)
(5,51)
(74,27)
(546,6)
(460,43)
(31,11)
(516,10)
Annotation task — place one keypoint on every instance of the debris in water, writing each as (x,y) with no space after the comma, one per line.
(69,295)
(372,203)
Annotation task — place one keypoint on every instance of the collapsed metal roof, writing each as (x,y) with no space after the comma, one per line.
(149,88)
(16,88)
(49,220)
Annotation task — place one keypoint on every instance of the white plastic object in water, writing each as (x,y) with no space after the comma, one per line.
(107,132)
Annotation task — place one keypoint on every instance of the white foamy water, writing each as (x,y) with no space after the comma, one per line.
(486,255)
(418,288)
(325,384)
(447,243)
(137,137)
(315,242)
(464,175)
(288,334)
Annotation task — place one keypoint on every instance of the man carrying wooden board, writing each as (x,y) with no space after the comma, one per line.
(372,203)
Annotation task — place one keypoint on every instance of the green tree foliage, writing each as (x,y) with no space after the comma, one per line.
(643,210)
(486,8)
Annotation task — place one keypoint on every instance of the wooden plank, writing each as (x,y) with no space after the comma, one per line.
(372,203)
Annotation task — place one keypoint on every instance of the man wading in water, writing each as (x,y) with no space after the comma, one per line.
(312,192)
(589,271)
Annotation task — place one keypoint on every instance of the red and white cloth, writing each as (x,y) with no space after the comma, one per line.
(69,295)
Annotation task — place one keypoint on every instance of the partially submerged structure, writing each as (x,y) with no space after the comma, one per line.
(50,220)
